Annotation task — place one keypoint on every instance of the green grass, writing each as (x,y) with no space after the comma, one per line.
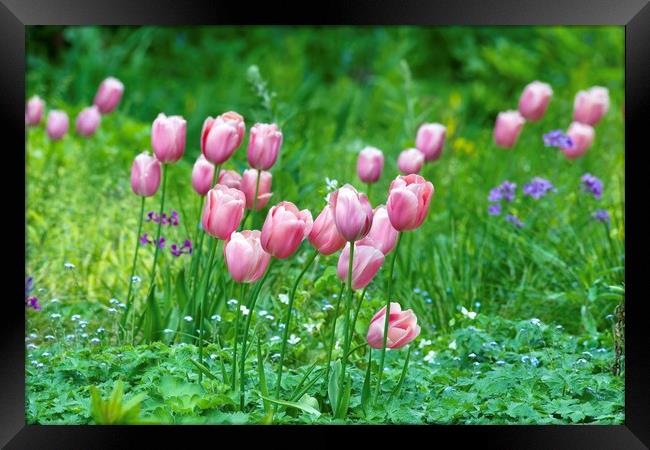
(336,90)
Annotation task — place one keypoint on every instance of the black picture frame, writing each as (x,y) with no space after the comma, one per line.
(16,14)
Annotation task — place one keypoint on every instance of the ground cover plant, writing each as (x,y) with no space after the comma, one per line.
(218,237)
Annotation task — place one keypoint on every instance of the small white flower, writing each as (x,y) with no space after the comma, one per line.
(69,265)
(122,305)
(536,321)
(32,346)
(275,356)
(95,341)
(327,307)
(232,302)
(55,300)
(75,317)
(430,356)
(472,355)
(274,339)
(270,317)
(452,345)
(337,345)
(332,184)
(49,337)
(466,313)
(70,337)
(500,362)
(112,310)
(55,316)
(213,356)
(417,290)
(84,335)
(33,335)
(83,324)
(216,318)
(284,298)
(136,279)
(245,311)
(423,343)
(187,318)
(168,330)
(310,327)
(114,301)
(282,325)
(293,339)
(262,313)
(100,330)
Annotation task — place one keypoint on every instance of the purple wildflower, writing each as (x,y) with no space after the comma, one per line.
(161,242)
(557,138)
(514,220)
(601,215)
(29,286)
(175,250)
(144,239)
(505,191)
(32,302)
(494,209)
(592,184)
(185,248)
(538,188)
(150,215)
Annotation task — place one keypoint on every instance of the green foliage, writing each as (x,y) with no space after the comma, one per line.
(114,410)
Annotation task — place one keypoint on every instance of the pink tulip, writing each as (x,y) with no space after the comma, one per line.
(221,136)
(402,327)
(534,100)
(168,137)
(223,211)
(145,175)
(582,137)
(370,164)
(410,161)
(324,235)
(263,145)
(230,178)
(34,111)
(264,193)
(591,105)
(245,258)
(284,229)
(408,201)
(202,175)
(352,212)
(109,95)
(507,128)
(382,234)
(366,263)
(57,124)
(430,140)
(88,121)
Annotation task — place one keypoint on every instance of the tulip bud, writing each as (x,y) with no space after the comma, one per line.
(366,262)
(145,175)
(88,121)
(263,145)
(534,100)
(284,229)
(109,95)
(382,234)
(245,258)
(221,136)
(168,137)
(408,201)
(57,124)
(430,139)
(324,235)
(590,106)
(230,178)
(223,211)
(370,164)
(34,111)
(410,161)
(248,182)
(402,327)
(352,212)
(507,128)
(582,136)
(202,175)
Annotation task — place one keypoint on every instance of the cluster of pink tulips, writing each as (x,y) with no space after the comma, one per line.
(588,108)
(347,222)
(429,142)
(106,100)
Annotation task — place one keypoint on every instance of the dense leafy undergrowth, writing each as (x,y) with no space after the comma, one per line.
(489,370)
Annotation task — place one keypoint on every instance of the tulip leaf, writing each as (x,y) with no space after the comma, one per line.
(306,407)
(365,390)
